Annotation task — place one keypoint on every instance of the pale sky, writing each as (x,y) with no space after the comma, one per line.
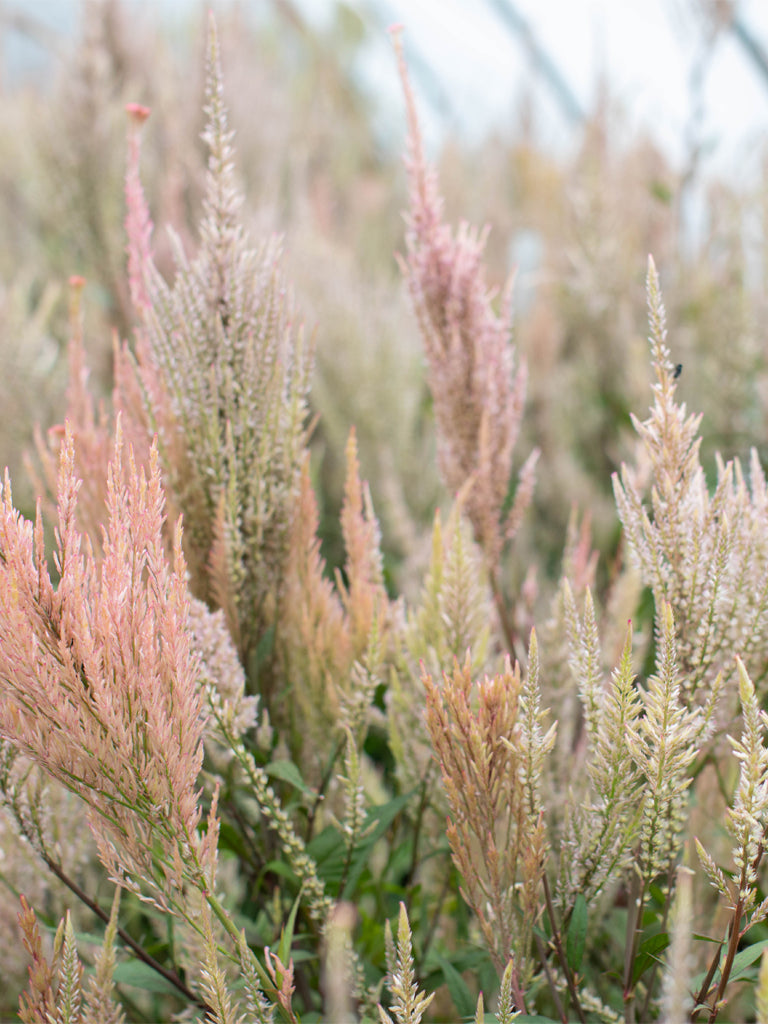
(647,49)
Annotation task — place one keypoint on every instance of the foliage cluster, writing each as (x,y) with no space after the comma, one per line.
(260,724)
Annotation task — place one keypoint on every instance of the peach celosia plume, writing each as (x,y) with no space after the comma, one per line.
(97,677)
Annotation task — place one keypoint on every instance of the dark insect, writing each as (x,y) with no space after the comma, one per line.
(678,371)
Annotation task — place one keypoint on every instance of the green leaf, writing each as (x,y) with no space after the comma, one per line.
(661,191)
(328,850)
(741,967)
(278,867)
(286,936)
(506,508)
(458,988)
(265,647)
(231,839)
(745,958)
(659,897)
(698,980)
(288,772)
(576,938)
(141,975)
(377,821)
(648,954)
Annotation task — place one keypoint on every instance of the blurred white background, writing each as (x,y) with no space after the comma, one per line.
(686,71)
(693,74)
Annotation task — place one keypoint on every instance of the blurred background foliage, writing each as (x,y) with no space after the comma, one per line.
(314,168)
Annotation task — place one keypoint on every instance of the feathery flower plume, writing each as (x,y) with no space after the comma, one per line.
(100,1006)
(91,429)
(38,1002)
(408,1004)
(747,823)
(221,679)
(98,679)
(364,596)
(41,1004)
(478,395)
(316,645)
(333,639)
(138,223)
(603,815)
(225,377)
(707,556)
(487,741)
(664,743)
(748,818)
(452,617)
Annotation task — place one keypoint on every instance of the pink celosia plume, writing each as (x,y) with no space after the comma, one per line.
(138,223)
(97,677)
(478,395)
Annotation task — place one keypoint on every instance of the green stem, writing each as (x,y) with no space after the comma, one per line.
(425,783)
(223,917)
(320,794)
(725,973)
(550,980)
(706,984)
(561,952)
(267,984)
(634,931)
(645,1012)
(735,934)
(507,628)
(437,914)
(141,954)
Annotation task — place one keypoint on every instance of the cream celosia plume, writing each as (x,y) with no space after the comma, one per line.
(224,372)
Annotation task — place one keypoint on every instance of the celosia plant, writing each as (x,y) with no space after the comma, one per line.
(706,555)
(490,760)
(99,678)
(225,374)
(477,393)
(276,759)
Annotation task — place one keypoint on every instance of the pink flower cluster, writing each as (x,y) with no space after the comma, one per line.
(478,395)
(97,677)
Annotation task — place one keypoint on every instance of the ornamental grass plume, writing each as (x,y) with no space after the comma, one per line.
(747,824)
(664,743)
(707,555)
(477,392)
(333,639)
(489,744)
(409,1004)
(39,1000)
(55,990)
(225,374)
(452,617)
(98,679)
(602,816)
(92,431)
